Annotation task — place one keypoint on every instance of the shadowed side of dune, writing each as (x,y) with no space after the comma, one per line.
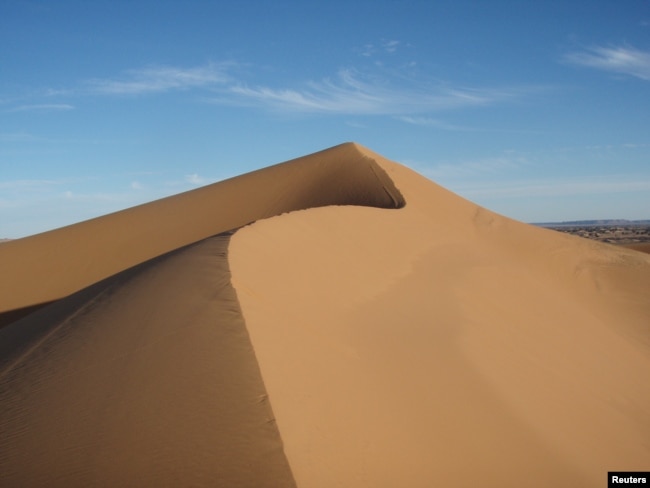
(18,313)
(147,378)
(48,266)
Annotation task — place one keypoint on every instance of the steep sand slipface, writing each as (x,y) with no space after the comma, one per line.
(442,343)
(435,344)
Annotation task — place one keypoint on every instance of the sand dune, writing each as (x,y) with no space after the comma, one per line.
(368,329)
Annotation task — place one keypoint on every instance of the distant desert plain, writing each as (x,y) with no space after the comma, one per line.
(335,320)
(630,234)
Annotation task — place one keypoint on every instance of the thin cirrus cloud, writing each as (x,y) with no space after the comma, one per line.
(195,179)
(387,46)
(435,123)
(625,60)
(349,92)
(160,79)
(44,107)
(481,169)
(29,185)
(17,137)
(517,189)
(351,95)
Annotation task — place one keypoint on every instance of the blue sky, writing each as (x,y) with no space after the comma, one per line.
(537,110)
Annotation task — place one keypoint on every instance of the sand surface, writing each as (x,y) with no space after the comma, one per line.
(367,329)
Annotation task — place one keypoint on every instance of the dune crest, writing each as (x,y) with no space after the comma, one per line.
(365,327)
(45,267)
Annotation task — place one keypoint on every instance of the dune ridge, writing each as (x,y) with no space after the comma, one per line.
(48,266)
(364,345)
(133,382)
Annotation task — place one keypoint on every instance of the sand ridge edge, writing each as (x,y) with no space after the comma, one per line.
(147,378)
(45,267)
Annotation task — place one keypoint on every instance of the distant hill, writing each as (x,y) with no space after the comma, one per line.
(584,223)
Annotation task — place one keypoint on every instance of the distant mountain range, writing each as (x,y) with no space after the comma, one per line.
(585,223)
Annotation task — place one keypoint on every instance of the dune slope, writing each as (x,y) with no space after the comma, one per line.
(402,335)
(445,344)
(147,378)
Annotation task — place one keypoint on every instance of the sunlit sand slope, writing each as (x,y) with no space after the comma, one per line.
(445,345)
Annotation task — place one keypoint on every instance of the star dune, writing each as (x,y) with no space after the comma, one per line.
(335,320)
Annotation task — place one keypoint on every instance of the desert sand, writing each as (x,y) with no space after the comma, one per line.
(336,320)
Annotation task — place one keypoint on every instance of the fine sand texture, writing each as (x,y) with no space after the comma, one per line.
(336,320)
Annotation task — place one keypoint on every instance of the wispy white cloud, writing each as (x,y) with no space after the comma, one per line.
(356,124)
(16,137)
(348,93)
(158,79)
(119,199)
(30,185)
(195,179)
(385,46)
(429,122)
(541,188)
(367,50)
(44,107)
(442,125)
(626,60)
(351,92)
(148,80)
(390,46)
(479,168)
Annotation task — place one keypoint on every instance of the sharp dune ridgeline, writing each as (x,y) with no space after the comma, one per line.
(336,320)
(65,260)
